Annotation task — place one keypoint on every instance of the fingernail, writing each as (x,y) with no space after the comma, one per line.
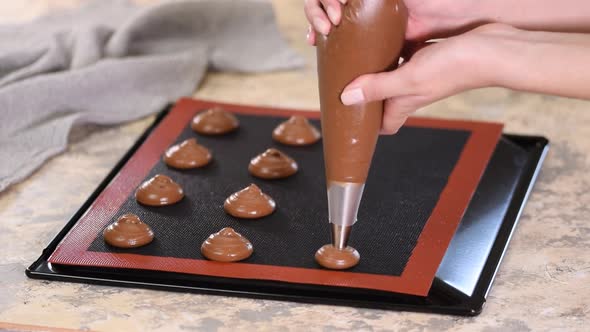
(342,2)
(308,35)
(352,96)
(332,13)
(386,132)
(321,25)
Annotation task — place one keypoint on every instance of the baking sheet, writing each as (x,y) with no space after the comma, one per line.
(420,185)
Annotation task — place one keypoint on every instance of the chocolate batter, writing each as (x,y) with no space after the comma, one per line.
(128,232)
(186,155)
(249,203)
(296,131)
(226,245)
(368,40)
(272,164)
(159,191)
(215,121)
(333,258)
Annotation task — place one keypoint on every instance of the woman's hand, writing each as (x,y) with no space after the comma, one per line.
(435,71)
(426,18)
(490,55)
(445,18)
(321,15)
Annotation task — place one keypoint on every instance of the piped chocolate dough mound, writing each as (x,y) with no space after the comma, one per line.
(296,131)
(272,164)
(159,191)
(226,245)
(215,121)
(128,232)
(249,203)
(333,258)
(186,155)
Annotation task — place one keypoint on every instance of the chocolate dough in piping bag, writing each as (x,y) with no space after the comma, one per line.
(369,39)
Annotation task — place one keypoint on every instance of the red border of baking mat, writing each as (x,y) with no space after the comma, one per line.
(420,269)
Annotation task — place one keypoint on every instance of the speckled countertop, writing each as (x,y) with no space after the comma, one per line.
(543,283)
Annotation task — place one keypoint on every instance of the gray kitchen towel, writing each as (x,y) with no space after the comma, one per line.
(111,61)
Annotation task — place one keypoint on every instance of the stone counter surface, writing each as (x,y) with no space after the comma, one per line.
(543,283)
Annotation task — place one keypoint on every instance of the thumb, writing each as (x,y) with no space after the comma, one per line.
(380,86)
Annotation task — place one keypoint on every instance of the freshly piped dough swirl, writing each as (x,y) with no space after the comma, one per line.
(159,191)
(215,121)
(296,131)
(249,203)
(226,245)
(186,155)
(333,258)
(128,232)
(272,164)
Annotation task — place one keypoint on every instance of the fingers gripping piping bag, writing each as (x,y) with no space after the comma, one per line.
(368,39)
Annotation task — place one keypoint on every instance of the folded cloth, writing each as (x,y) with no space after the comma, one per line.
(111,61)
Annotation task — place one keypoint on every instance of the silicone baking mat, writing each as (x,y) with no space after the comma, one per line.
(420,184)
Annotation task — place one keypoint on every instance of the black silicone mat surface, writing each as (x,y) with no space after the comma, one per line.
(461,283)
(409,172)
(420,185)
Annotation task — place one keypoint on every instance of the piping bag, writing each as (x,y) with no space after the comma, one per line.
(369,39)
